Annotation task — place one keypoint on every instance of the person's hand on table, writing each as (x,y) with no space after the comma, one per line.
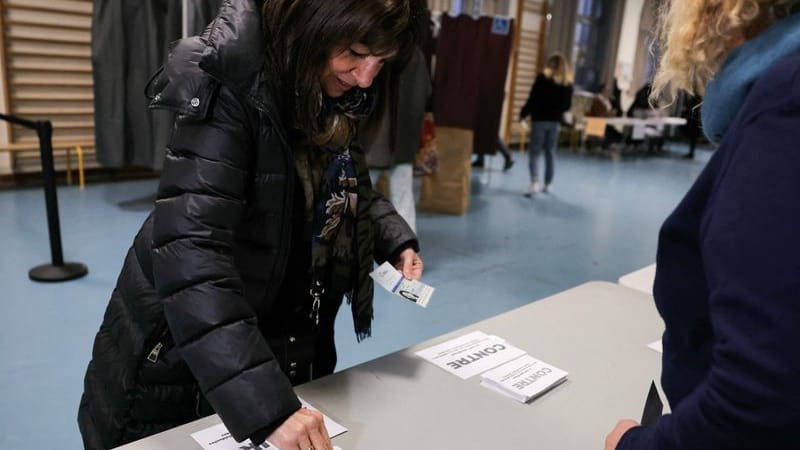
(409,264)
(613,438)
(303,430)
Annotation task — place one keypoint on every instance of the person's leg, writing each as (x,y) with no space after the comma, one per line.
(550,145)
(401,187)
(538,130)
(503,149)
(478,163)
(693,136)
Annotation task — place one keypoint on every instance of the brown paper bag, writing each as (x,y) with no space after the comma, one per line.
(447,191)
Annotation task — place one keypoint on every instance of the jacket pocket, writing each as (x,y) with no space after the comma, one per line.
(165,391)
(162,364)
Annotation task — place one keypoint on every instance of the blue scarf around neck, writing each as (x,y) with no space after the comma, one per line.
(726,93)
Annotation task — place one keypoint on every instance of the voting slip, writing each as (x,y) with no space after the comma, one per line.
(524,378)
(218,437)
(393,281)
(657,346)
(470,354)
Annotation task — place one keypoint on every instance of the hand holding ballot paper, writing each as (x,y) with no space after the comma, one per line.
(409,264)
(393,281)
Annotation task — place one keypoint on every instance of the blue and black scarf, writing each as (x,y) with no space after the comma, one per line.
(337,208)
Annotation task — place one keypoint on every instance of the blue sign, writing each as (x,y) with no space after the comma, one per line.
(501,25)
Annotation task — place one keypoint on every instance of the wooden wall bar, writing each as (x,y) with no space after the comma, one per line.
(47,71)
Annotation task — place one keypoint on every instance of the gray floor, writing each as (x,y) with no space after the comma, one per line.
(600,221)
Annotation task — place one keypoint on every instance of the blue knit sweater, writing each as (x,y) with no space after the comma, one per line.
(728,286)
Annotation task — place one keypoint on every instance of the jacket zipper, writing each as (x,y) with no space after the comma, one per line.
(163,329)
(153,355)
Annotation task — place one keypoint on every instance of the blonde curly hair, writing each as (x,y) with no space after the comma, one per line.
(697,35)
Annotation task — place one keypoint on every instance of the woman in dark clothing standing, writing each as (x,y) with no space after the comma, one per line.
(728,272)
(264,219)
(694,126)
(550,98)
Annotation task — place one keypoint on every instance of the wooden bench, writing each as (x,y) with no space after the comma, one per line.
(65,145)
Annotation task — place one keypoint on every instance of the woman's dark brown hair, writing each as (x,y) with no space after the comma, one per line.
(303,34)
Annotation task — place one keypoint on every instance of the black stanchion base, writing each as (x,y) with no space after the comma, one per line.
(50,272)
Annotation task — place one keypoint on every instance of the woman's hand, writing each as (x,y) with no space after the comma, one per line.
(613,438)
(304,430)
(410,264)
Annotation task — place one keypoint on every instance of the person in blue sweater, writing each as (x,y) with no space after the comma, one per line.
(728,265)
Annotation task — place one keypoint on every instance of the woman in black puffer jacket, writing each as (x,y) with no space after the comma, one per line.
(264,220)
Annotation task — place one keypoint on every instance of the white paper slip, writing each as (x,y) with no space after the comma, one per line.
(524,378)
(657,346)
(471,354)
(393,281)
(218,437)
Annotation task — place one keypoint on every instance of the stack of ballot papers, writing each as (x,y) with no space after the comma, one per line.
(523,378)
(502,367)
(471,354)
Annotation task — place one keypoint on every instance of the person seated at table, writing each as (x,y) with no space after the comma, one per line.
(265,218)
(602,106)
(727,265)
(641,108)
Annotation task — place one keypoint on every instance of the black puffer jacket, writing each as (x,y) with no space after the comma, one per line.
(184,328)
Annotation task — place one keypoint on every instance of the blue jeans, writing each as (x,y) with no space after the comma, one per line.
(544,136)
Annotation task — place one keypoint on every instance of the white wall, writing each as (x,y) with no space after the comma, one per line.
(626,52)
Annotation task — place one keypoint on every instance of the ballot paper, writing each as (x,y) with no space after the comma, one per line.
(218,437)
(471,354)
(524,378)
(657,346)
(393,281)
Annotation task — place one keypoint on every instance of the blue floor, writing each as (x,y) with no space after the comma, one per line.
(600,221)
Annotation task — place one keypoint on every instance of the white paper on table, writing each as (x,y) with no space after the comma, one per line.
(218,437)
(639,132)
(657,346)
(471,354)
(524,378)
(393,281)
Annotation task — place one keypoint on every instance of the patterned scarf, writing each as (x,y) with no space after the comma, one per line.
(341,228)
